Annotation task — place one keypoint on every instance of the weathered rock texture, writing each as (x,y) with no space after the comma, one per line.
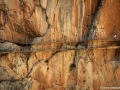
(25,24)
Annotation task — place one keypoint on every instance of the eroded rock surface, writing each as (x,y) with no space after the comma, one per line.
(27,28)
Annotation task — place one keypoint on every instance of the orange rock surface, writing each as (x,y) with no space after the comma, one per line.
(26,24)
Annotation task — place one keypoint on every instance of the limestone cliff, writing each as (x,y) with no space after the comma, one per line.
(59,44)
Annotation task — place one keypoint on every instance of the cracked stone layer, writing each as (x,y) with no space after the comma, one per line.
(37,69)
(64,69)
(59,70)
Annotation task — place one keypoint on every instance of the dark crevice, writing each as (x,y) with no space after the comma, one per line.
(97,12)
(31,70)
(48,27)
(52,56)
(73,65)
(28,57)
(22,45)
(95,15)
(6,80)
(3,54)
(47,61)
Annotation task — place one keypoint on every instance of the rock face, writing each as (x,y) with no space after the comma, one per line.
(59,44)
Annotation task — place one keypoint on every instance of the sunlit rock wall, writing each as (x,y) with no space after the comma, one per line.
(24,22)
